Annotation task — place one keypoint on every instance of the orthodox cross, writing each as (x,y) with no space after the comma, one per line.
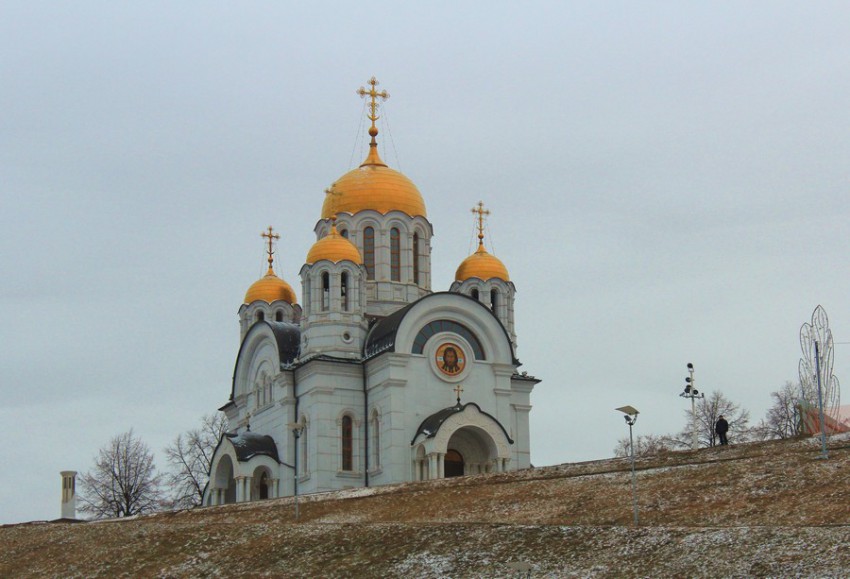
(271,237)
(373,94)
(481,213)
(458,390)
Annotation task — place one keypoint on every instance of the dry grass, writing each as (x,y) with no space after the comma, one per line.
(770,509)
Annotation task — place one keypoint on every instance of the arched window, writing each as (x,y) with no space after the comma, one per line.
(344,290)
(474,294)
(326,291)
(344,233)
(395,254)
(278,317)
(260,316)
(494,299)
(347,444)
(375,433)
(416,258)
(369,251)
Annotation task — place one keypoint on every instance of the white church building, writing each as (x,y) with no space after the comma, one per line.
(374,378)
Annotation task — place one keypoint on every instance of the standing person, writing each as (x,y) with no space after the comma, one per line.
(721,428)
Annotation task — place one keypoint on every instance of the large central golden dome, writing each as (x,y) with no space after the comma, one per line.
(374,186)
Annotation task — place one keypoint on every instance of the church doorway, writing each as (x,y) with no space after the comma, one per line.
(453,464)
(224,481)
(264,486)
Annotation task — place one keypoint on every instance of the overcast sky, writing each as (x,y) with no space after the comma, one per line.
(668,184)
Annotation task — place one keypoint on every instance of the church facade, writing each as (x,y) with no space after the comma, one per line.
(374,378)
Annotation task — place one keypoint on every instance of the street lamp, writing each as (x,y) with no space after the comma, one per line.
(297,429)
(692,393)
(631,414)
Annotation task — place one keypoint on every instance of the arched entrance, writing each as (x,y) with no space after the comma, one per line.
(453,464)
(474,450)
(224,481)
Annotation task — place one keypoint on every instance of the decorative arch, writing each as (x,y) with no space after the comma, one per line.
(443,325)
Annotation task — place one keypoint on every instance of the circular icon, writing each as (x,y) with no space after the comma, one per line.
(450,359)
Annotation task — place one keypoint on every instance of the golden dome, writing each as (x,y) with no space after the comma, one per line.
(270,288)
(483,266)
(334,247)
(374,186)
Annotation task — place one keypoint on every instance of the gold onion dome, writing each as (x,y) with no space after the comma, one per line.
(270,288)
(483,266)
(334,247)
(373,185)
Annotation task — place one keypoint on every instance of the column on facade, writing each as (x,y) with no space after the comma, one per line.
(432,465)
(441,465)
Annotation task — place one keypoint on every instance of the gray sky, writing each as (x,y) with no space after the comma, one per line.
(668,184)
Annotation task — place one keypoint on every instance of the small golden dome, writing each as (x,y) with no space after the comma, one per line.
(483,266)
(270,288)
(334,247)
(374,186)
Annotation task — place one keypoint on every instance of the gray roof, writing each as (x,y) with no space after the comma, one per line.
(248,445)
(381,336)
(431,425)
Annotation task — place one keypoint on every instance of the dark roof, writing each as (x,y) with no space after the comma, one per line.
(381,337)
(288,338)
(248,445)
(431,425)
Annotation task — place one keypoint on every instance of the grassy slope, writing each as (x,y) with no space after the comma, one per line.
(753,510)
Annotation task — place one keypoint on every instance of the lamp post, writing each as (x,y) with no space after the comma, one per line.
(692,393)
(297,429)
(631,414)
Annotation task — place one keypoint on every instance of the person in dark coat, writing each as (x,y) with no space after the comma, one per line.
(721,428)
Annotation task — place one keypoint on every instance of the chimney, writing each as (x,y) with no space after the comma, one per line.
(69,494)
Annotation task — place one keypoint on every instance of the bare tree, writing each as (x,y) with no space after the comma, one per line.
(783,418)
(190,457)
(645,445)
(708,410)
(123,481)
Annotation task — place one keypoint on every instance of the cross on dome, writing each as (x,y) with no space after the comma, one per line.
(373,95)
(479,209)
(458,390)
(270,251)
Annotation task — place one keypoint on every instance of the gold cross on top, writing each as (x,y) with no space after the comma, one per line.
(374,95)
(458,390)
(479,209)
(271,237)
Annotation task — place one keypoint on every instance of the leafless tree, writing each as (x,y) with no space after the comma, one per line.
(645,445)
(708,410)
(123,481)
(190,456)
(783,418)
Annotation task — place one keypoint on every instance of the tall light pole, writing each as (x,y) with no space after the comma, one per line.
(631,414)
(692,393)
(297,429)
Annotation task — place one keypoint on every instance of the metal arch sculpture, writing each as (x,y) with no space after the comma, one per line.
(816,343)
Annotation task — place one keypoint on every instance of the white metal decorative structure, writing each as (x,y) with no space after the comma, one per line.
(818,384)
